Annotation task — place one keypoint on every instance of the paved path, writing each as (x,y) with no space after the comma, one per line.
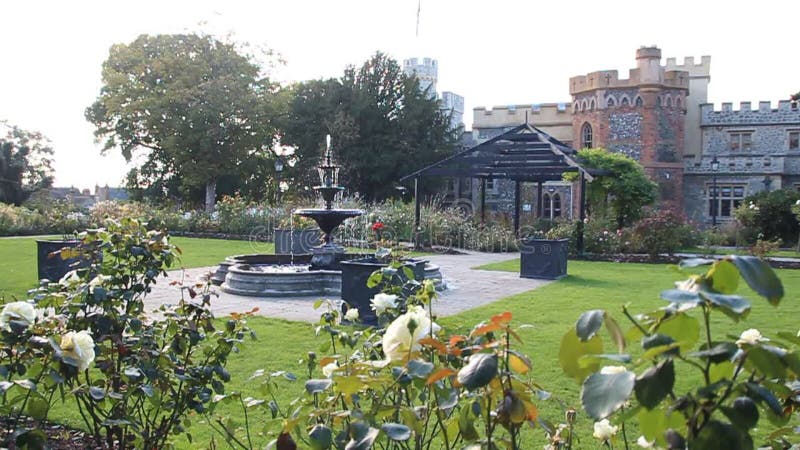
(467,288)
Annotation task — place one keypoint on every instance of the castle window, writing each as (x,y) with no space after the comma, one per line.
(610,102)
(584,105)
(575,107)
(625,102)
(586,135)
(591,105)
(669,102)
(794,140)
(547,207)
(638,101)
(741,141)
(490,186)
(556,201)
(729,197)
(658,102)
(678,102)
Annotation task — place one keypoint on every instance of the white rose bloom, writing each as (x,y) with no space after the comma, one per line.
(97,281)
(17,311)
(604,431)
(381,302)
(352,315)
(644,443)
(751,337)
(399,341)
(70,278)
(611,370)
(80,347)
(328,369)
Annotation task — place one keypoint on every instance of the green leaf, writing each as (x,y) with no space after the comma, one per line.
(743,413)
(759,276)
(31,439)
(588,323)
(362,436)
(763,395)
(734,306)
(766,362)
(655,384)
(419,369)
(320,437)
(717,435)
(720,352)
(654,423)
(396,431)
(617,335)
(375,279)
(594,360)
(573,349)
(97,393)
(38,406)
(723,276)
(658,340)
(602,394)
(479,371)
(684,329)
(318,385)
(681,297)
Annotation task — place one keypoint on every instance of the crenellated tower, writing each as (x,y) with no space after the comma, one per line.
(641,116)
(699,78)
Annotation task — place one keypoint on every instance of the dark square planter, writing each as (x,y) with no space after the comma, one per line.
(544,258)
(53,267)
(355,292)
(296,242)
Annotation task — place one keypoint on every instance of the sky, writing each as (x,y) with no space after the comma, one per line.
(495,52)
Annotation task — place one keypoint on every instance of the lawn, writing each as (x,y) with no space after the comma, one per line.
(782,253)
(18,271)
(549,311)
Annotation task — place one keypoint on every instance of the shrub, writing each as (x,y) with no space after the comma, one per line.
(147,373)
(738,377)
(770,216)
(663,231)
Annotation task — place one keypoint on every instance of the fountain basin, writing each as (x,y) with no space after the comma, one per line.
(328,219)
(281,281)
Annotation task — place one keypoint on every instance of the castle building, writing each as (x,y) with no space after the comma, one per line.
(659,116)
(427,70)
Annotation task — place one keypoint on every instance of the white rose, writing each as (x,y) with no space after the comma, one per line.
(80,347)
(17,311)
(611,370)
(403,335)
(751,337)
(328,369)
(69,278)
(604,431)
(352,315)
(97,281)
(381,302)
(644,443)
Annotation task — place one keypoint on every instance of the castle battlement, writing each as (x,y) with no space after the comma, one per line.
(547,114)
(748,107)
(531,108)
(609,79)
(703,69)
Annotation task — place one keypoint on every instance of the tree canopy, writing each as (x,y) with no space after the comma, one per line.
(383,126)
(25,163)
(623,192)
(198,110)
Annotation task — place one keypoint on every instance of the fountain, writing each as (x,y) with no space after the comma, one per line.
(295,275)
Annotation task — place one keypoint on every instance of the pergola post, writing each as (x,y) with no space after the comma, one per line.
(539,200)
(416,212)
(516,207)
(483,200)
(582,214)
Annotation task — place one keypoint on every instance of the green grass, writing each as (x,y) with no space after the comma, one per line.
(785,253)
(18,266)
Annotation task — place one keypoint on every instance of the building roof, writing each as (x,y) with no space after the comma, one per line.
(523,153)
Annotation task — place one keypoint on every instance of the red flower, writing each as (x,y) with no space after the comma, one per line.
(377,226)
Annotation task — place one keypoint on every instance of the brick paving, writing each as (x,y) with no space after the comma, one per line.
(467,289)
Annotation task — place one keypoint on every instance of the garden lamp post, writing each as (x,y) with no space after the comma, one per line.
(714,170)
(278,171)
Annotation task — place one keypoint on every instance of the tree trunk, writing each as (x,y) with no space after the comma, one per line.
(211,195)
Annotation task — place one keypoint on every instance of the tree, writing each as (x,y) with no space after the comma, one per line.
(623,192)
(383,126)
(199,109)
(25,163)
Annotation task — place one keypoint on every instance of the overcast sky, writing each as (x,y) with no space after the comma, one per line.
(492,52)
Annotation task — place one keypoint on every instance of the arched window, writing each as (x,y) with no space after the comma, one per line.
(584,105)
(546,206)
(586,136)
(669,102)
(591,105)
(639,101)
(575,107)
(556,199)
(678,102)
(610,102)
(658,101)
(625,102)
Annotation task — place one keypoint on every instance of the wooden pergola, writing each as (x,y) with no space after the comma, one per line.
(523,154)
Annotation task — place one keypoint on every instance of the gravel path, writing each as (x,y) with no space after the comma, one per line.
(467,288)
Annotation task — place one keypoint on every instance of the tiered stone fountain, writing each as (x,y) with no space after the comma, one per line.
(317,274)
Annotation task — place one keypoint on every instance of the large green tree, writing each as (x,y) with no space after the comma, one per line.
(25,163)
(199,110)
(623,191)
(383,126)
